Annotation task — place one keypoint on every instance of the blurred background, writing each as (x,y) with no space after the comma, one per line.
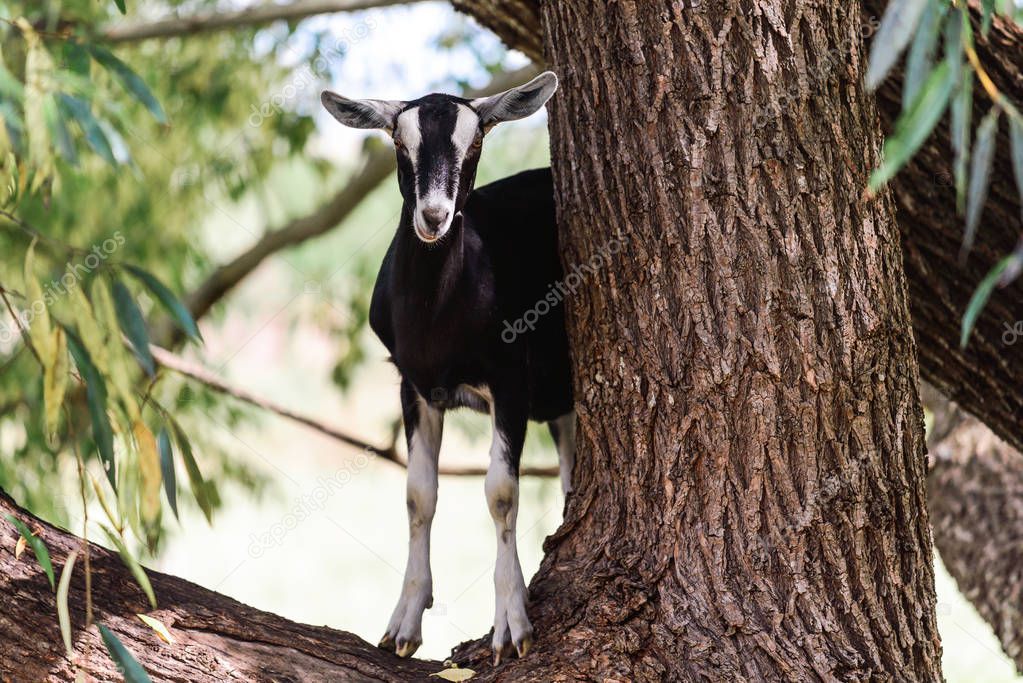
(302,525)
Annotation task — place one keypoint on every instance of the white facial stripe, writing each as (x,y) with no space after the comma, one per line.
(408,132)
(465,131)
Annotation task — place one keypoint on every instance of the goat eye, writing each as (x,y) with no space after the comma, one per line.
(398,143)
(478,142)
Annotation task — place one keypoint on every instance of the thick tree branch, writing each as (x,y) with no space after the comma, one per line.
(975,497)
(260,14)
(215,638)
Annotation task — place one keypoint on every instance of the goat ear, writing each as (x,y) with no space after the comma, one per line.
(517,103)
(361,113)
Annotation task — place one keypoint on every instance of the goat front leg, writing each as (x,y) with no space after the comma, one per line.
(423,428)
(511,625)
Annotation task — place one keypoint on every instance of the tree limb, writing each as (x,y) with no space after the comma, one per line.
(215,638)
(390,453)
(260,14)
(975,499)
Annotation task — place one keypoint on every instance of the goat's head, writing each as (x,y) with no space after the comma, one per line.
(438,140)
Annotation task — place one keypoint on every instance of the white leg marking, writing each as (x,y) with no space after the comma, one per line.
(565,426)
(404,632)
(511,625)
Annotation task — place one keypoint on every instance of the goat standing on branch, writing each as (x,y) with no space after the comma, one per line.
(461,265)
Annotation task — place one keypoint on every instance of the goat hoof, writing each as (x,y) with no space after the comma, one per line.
(406,648)
(524,646)
(502,652)
(386,643)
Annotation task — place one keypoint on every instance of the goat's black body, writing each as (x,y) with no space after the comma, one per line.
(441,309)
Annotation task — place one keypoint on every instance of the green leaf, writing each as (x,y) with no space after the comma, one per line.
(134,326)
(132,564)
(96,397)
(200,489)
(170,485)
(63,616)
(980,175)
(10,87)
(131,81)
(128,665)
(914,125)
(80,111)
(957,35)
(900,20)
(76,58)
(921,55)
(58,130)
(120,6)
(962,114)
(988,8)
(979,300)
(1016,134)
(37,546)
(174,306)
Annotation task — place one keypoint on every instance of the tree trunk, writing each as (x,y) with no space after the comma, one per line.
(984,377)
(750,500)
(976,499)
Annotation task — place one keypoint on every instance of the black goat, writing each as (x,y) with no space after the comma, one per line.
(462,267)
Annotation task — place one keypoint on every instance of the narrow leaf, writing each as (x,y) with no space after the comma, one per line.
(962,114)
(76,58)
(149,468)
(898,23)
(132,564)
(455,674)
(914,125)
(920,60)
(131,81)
(79,110)
(96,397)
(55,383)
(39,327)
(120,6)
(1016,134)
(134,326)
(63,616)
(119,365)
(979,300)
(199,487)
(174,306)
(58,130)
(37,546)
(988,8)
(128,665)
(980,175)
(170,486)
(157,626)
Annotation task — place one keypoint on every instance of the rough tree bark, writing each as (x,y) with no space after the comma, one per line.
(975,491)
(216,638)
(750,499)
(983,377)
